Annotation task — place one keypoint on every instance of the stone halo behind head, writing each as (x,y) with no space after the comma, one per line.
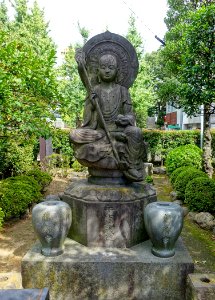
(120,48)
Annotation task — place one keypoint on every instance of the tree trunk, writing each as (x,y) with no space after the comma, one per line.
(207,151)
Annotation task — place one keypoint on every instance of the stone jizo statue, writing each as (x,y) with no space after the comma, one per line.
(108,141)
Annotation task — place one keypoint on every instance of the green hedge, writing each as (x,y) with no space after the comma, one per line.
(16,194)
(161,142)
(186,155)
(61,143)
(200,195)
(16,157)
(19,153)
(178,171)
(184,178)
(43,178)
(19,192)
(24,179)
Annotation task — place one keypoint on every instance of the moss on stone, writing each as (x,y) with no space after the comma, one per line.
(201,246)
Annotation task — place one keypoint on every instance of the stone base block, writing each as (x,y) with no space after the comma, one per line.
(108,215)
(108,273)
(201,286)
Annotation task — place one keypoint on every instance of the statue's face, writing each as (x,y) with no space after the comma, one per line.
(107,68)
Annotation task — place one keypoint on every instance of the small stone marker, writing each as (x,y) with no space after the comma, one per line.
(150,123)
(49,148)
(201,286)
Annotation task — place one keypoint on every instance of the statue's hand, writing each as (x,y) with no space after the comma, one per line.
(80,57)
(123,165)
(121,137)
(93,99)
(122,120)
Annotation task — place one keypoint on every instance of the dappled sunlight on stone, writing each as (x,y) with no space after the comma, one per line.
(108,273)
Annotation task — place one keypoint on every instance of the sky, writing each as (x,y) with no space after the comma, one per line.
(98,15)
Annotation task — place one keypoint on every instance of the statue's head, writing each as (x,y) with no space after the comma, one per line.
(107,68)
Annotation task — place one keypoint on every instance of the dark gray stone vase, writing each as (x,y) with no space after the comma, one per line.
(51,221)
(163,222)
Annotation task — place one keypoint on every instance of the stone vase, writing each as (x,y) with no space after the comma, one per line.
(163,222)
(51,222)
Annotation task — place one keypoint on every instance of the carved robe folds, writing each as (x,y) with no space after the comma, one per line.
(92,147)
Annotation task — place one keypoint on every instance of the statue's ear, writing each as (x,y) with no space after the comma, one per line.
(117,76)
(98,78)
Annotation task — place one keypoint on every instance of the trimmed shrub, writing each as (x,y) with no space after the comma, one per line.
(17,193)
(16,158)
(161,142)
(187,155)
(23,178)
(178,171)
(200,195)
(1,217)
(184,178)
(41,177)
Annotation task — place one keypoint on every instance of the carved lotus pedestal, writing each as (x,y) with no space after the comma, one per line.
(108,215)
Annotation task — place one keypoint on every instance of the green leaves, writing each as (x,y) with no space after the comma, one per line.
(28,81)
(142,93)
(189,55)
(72,90)
(197,68)
(200,194)
(186,155)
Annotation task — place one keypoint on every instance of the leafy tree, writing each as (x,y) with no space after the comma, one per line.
(197,72)
(71,87)
(189,59)
(165,62)
(134,37)
(178,9)
(169,58)
(28,83)
(164,86)
(3,13)
(141,91)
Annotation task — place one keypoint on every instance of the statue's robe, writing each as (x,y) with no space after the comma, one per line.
(91,143)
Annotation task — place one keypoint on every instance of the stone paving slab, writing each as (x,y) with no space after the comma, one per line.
(10,280)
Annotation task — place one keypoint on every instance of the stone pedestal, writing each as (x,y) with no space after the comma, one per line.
(82,273)
(108,215)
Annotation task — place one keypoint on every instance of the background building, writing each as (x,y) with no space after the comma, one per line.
(178,119)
